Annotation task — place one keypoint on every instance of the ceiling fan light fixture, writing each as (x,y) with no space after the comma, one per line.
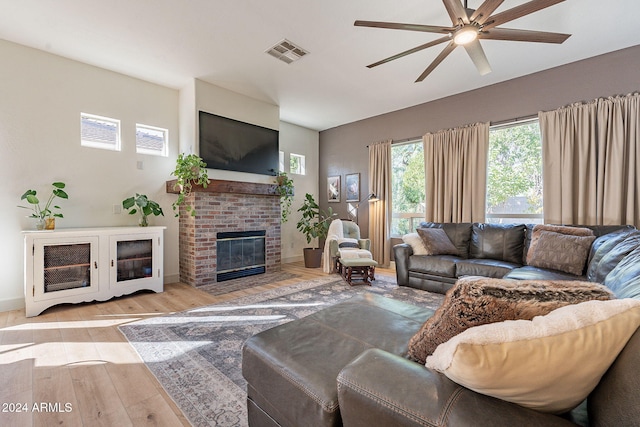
(465,35)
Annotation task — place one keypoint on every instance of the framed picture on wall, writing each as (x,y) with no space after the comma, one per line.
(352,187)
(333,188)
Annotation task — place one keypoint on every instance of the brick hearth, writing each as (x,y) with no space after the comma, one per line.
(225,206)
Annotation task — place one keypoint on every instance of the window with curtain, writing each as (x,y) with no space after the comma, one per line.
(407,187)
(514,174)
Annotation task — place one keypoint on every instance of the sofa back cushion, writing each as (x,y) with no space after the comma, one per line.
(610,259)
(459,234)
(503,242)
(602,246)
(624,279)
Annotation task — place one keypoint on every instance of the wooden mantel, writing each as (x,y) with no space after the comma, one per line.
(224,186)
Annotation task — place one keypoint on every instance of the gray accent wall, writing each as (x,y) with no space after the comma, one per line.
(343,149)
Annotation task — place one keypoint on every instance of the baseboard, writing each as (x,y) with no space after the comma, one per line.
(172,278)
(292,259)
(12,304)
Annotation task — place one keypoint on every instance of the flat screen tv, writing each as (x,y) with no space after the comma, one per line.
(237,146)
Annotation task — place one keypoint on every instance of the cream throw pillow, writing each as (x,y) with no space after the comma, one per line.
(550,363)
(415,241)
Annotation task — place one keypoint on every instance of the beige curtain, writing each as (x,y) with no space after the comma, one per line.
(456,174)
(590,162)
(379,212)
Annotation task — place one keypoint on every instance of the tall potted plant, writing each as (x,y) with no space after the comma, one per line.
(45,215)
(313,224)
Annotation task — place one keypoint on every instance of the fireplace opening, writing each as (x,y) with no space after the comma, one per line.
(240,254)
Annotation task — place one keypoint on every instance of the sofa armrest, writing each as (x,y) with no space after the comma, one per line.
(333,247)
(401,254)
(364,244)
(382,389)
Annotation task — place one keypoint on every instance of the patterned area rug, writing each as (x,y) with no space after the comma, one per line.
(196,354)
(227,286)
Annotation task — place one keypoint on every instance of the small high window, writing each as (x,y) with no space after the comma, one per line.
(152,140)
(296,164)
(99,132)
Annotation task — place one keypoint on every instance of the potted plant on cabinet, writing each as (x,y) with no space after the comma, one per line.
(285,190)
(145,206)
(313,224)
(46,218)
(190,170)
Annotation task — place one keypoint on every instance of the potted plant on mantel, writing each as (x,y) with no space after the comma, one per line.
(45,216)
(313,224)
(145,206)
(285,189)
(190,170)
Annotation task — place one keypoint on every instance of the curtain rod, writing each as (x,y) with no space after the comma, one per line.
(492,124)
(513,121)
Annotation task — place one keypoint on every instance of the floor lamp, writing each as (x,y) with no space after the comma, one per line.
(371,198)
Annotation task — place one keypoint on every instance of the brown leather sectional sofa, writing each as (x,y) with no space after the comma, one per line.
(346,365)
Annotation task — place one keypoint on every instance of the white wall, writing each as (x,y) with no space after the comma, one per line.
(41,97)
(299,140)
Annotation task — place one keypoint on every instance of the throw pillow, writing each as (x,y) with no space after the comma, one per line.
(562,229)
(415,241)
(550,363)
(478,301)
(560,252)
(436,241)
(348,243)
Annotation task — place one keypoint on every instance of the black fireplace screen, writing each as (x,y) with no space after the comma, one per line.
(240,254)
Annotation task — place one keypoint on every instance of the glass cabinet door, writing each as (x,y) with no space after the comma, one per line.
(132,258)
(64,268)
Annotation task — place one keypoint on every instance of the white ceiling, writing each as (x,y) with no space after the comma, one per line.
(170,42)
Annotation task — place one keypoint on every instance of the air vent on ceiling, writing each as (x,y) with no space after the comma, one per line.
(286,51)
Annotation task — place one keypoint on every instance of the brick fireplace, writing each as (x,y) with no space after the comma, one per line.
(225,207)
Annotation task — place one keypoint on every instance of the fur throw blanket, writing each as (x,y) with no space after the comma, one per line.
(479,301)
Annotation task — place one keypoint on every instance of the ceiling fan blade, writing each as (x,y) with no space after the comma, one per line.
(456,11)
(407,27)
(519,11)
(484,11)
(476,53)
(410,51)
(447,50)
(523,35)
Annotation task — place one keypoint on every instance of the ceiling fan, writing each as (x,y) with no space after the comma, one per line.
(469,26)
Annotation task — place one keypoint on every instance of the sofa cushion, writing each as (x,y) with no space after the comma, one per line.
(436,242)
(624,279)
(478,301)
(439,265)
(415,241)
(497,241)
(610,259)
(458,233)
(569,350)
(484,267)
(561,252)
(601,246)
(529,272)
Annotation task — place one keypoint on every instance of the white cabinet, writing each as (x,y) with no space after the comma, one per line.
(90,264)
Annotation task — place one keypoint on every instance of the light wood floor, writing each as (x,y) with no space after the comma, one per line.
(71,365)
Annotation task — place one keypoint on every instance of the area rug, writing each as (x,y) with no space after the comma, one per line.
(220,288)
(196,354)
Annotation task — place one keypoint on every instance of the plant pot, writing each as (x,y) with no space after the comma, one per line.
(143,221)
(40,224)
(312,257)
(49,223)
